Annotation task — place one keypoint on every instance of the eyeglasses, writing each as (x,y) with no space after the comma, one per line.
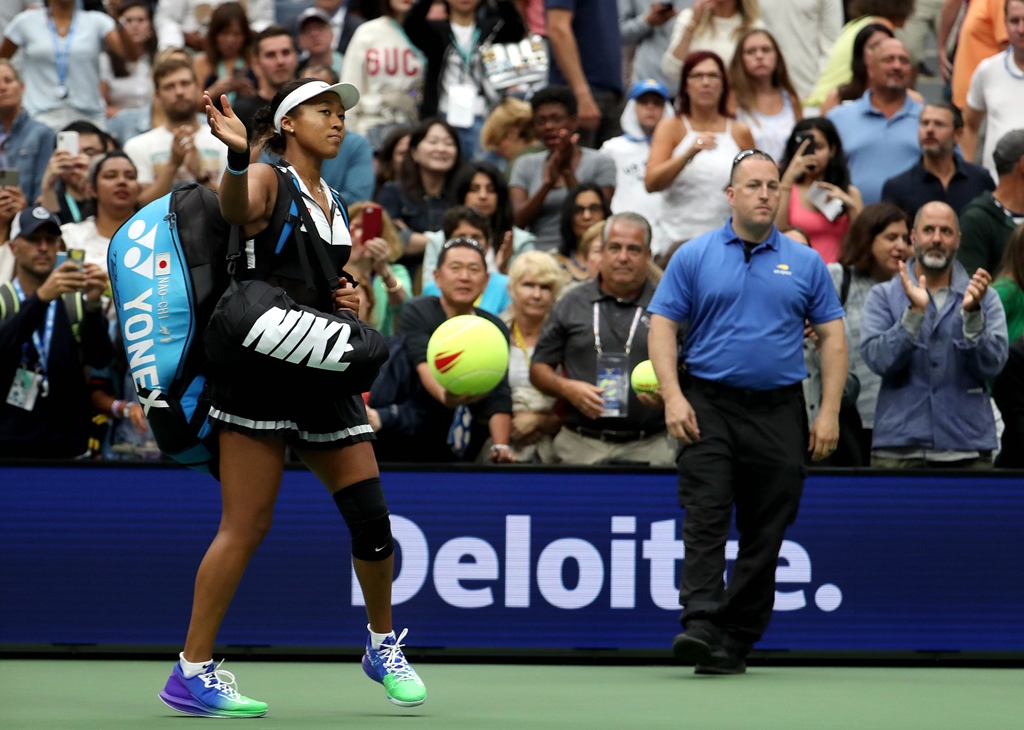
(593,209)
(463,242)
(705,77)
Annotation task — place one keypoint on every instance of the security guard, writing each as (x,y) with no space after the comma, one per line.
(745,291)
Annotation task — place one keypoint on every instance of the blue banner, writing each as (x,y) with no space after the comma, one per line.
(508,558)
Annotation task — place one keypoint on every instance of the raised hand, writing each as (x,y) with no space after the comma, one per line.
(226,126)
(65,278)
(916,293)
(976,289)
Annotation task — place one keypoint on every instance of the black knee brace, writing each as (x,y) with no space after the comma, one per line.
(366,514)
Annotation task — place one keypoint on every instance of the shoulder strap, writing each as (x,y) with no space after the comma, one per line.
(73,305)
(844,288)
(312,238)
(9,302)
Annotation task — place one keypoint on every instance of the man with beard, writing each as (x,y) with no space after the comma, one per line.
(941,174)
(181,150)
(275,61)
(936,335)
(879,130)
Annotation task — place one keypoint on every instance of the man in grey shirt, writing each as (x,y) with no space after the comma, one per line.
(597,332)
(540,181)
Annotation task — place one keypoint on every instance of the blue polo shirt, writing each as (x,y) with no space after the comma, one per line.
(877,148)
(746,320)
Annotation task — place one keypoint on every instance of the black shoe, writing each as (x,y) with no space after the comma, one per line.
(719,663)
(696,645)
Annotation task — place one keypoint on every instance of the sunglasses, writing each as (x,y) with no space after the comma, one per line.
(464,242)
(750,153)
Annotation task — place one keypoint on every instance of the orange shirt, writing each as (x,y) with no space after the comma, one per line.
(982,34)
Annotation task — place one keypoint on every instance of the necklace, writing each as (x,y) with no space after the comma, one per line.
(1012,69)
(313,186)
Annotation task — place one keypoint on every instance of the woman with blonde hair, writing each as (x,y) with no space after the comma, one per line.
(371,262)
(763,96)
(534,283)
(507,132)
(712,25)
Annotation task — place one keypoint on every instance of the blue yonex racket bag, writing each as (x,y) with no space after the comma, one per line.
(168,268)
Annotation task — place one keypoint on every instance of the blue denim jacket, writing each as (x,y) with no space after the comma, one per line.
(28,149)
(933,392)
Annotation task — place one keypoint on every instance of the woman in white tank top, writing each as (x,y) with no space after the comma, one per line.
(763,95)
(691,155)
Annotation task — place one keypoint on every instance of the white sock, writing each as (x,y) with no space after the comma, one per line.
(377,639)
(193,669)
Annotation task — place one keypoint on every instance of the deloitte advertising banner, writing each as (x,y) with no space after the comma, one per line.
(509,558)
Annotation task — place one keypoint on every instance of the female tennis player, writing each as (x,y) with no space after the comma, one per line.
(304,125)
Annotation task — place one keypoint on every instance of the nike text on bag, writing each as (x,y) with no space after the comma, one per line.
(167,270)
(257,327)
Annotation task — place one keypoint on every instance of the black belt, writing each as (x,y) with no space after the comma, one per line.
(613,437)
(749,398)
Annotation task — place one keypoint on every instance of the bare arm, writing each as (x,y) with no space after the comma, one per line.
(525,207)
(8,48)
(567,56)
(250,196)
(834,365)
(680,418)
(662,167)
(972,126)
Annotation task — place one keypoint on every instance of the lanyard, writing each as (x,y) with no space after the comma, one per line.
(597,328)
(517,335)
(62,50)
(466,54)
(42,346)
(73,207)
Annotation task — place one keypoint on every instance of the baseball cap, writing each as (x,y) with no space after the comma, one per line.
(310,14)
(1009,149)
(348,94)
(31,220)
(648,86)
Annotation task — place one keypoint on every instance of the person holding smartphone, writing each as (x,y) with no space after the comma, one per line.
(376,246)
(817,196)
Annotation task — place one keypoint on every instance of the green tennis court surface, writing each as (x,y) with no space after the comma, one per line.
(114,695)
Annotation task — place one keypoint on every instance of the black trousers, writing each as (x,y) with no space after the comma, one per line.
(750,457)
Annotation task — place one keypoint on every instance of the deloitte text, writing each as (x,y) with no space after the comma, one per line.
(469,572)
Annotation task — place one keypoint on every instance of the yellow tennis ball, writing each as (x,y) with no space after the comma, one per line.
(643,378)
(468,355)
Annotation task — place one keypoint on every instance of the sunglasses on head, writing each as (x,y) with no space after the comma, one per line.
(463,241)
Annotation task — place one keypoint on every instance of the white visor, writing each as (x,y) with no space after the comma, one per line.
(348,94)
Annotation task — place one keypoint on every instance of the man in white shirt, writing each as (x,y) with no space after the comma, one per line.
(343,23)
(182,150)
(997,91)
(805,30)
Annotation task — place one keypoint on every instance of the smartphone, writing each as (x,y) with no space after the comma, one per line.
(372,222)
(68,141)
(8,176)
(801,137)
(62,256)
(77,255)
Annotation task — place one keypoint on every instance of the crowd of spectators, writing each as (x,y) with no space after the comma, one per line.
(547,200)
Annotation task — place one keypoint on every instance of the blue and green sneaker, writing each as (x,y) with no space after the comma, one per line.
(388,666)
(210,694)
